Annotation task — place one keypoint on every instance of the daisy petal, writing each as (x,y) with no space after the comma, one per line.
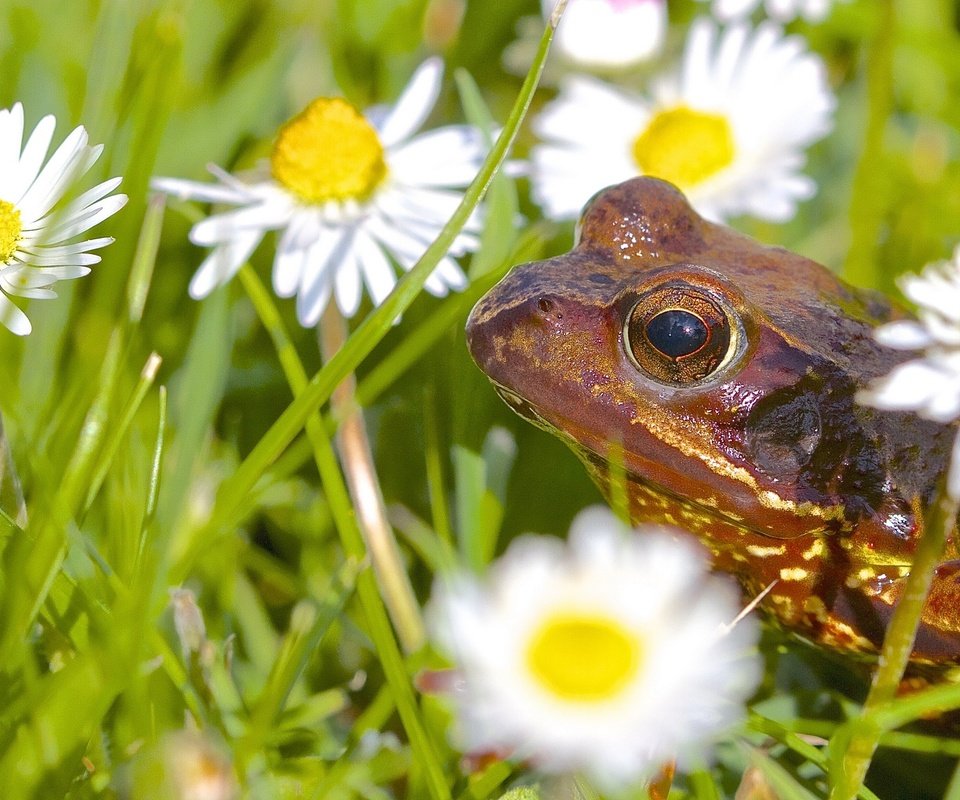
(292,252)
(318,273)
(310,306)
(84,221)
(414,105)
(28,292)
(13,319)
(377,272)
(57,173)
(450,275)
(604,35)
(903,335)
(42,276)
(222,227)
(347,288)
(202,192)
(91,196)
(929,385)
(68,249)
(55,260)
(447,156)
(32,157)
(11,140)
(222,264)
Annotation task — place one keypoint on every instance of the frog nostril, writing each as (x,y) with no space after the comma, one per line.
(545,304)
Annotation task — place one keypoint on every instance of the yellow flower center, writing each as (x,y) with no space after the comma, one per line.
(10,230)
(328,152)
(684,146)
(583,658)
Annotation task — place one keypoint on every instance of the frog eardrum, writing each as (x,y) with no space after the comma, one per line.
(679,334)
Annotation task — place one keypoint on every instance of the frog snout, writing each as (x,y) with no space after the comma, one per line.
(508,338)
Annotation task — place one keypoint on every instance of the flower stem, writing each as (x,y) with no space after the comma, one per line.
(378,625)
(11,493)
(356,457)
(868,204)
(898,643)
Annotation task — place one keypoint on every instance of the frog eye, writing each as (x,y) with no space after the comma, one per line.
(678,334)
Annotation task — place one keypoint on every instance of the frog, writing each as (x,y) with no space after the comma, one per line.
(713,380)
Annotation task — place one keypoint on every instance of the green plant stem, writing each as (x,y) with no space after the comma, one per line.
(36,558)
(11,493)
(115,436)
(953,788)
(865,732)
(439,513)
(357,460)
(378,625)
(794,741)
(309,623)
(868,198)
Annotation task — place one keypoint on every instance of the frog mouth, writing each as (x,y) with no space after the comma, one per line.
(587,449)
(522,407)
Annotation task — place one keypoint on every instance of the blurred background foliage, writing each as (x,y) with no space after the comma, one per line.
(93,682)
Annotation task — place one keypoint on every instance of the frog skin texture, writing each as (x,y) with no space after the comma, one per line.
(754,442)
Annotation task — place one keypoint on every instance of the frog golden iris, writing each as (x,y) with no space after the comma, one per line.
(680,334)
(722,374)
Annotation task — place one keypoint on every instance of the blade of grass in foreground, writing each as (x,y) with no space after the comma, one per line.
(374,327)
(309,622)
(378,625)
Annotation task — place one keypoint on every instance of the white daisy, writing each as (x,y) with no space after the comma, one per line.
(930,384)
(608,655)
(346,190)
(35,227)
(595,35)
(609,34)
(782,10)
(728,128)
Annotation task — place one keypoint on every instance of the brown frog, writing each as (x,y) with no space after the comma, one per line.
(720,373)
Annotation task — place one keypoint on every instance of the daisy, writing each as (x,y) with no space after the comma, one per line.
(345,190)
(930,384)
(36,228)
(728,128)
(609,34)
(595,35)
(782,10)
(608,655)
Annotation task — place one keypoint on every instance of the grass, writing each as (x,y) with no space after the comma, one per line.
(166,444)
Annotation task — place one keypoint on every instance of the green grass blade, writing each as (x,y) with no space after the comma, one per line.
(781,782)
(117,432)
(145,259)
(309,622)
(378,624)
(502,208)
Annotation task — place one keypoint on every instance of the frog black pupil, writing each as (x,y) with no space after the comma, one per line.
(677,333)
